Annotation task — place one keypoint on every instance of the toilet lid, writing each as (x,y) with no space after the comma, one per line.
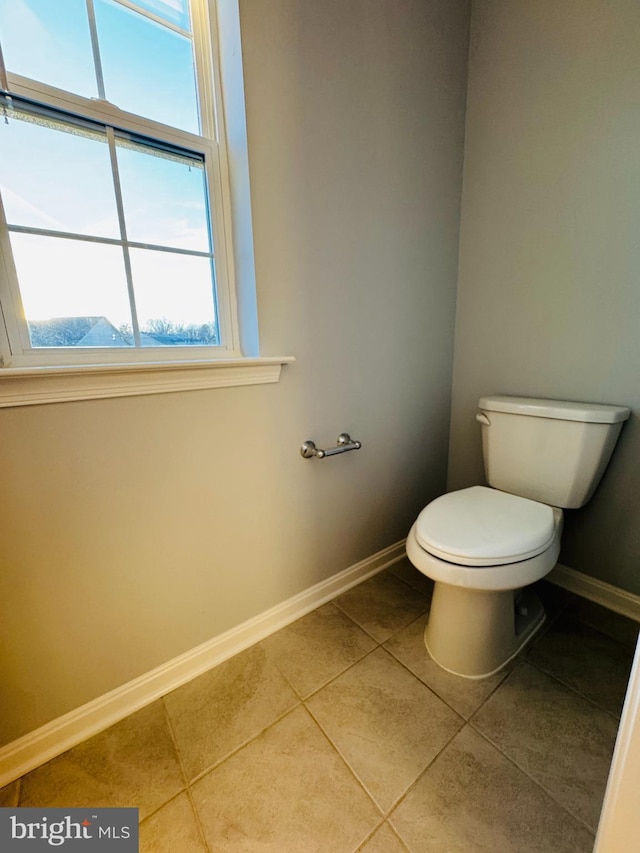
(481,526)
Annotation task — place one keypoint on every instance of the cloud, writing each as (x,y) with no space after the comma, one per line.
(19,211)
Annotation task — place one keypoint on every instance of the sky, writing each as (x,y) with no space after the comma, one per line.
(45,172)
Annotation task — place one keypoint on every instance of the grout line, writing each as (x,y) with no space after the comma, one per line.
(398,836)
(397,802)
(568,613)
(389,572)
(18,791)
(273,658)
(245,743)
(535,781)
(340,674)
(433,689)
(184,776)
(379,645)
(424,683)
(178,756)
(462,720)
(355,622)
(364,843)
(440,752)
(573,689)
(196,815)
(414,587)
(174,741)
(347,765)
(377,828)
(162,805)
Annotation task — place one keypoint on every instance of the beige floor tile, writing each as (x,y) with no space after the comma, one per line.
(133,763)
(316,648)
(217,713)
(10,794)
(408,573)
(383,605)
(270,780)
(384,840)
(595,665)
(464,695)
(172,829)
(557,737)
(386,724)
(472,799)
(286,792)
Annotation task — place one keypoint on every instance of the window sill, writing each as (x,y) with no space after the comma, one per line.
(29,386)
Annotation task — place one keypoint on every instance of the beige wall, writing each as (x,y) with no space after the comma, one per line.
(135,529)
(549,295)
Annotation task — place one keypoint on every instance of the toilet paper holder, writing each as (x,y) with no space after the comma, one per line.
(344,443)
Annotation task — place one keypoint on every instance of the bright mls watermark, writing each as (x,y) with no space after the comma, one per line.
(82,830)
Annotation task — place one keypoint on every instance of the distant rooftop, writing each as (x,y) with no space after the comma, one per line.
(100,332)
(75,331)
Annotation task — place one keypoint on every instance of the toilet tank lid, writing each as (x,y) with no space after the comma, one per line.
(594,413)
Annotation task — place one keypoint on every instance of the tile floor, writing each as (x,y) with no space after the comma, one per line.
(339,734)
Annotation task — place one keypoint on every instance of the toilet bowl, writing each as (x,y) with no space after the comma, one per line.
(481,547)
(484,546)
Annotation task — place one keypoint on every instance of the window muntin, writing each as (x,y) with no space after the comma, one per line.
(51,42)
(164,198)
(172,11)
(170,317)
(150,205)
(129,54)
(147,67)
(45,169)
(91,290)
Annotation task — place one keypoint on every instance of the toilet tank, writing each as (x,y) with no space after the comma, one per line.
(547,450)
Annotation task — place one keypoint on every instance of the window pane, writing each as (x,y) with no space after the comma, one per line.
(164,199)
(74,292)
(174,11)
(148,69)
(49,40)
(54,179)
(174,298)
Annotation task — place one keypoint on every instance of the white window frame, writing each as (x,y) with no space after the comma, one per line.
(30,376)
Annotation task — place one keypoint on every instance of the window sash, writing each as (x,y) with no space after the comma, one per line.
(27,109)
(134,130)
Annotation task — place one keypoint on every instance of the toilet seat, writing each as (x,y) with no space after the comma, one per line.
(480,527)
(495,577)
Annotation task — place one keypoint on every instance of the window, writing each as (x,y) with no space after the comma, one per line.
(113,243)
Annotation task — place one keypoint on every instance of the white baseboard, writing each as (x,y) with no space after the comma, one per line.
(611,597)
(56,737)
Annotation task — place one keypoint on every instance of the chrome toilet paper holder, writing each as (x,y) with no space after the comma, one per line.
(344,443)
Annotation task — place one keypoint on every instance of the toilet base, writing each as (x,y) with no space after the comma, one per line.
(475,633)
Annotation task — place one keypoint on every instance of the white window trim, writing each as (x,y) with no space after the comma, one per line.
(24,386)
(43,379)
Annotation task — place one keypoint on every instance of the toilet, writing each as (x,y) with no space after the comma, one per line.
(485,545)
